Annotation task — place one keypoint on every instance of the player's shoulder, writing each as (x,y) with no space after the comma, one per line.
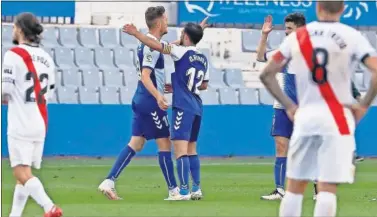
(11,57)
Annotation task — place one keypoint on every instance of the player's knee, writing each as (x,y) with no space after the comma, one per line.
(22,173)
(281,146)
(191,150)
(326,187)
(296,186)
(180,148)
(137,143)
(164,144)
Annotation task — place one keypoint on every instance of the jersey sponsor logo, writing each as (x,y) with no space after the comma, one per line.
(7,70)
(148,58)
(8,80)
(178,120)
(192,7)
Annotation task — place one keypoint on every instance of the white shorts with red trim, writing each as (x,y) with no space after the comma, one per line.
(326,158)
(25,152)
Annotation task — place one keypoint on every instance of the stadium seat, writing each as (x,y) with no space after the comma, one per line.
(68,37)
(216,78)
(250,40)
(6,35)
(113,78)
(88,95)
(209,97)
(228,96)
(171,36)
(131,79)
(108,37)
(359,81)
(51,52)
(91,78)
(49,37)
(54,98)
(233,77)
(169,64)
(104,58)
(64,58)
(109,95)
(58,78)
(169,98)
(275,38)
(68,95)
(88,37)
(248,96)
(124,57)
(84,58)
(374,102)
(265,97)
(128,40)
(366,77)
(371,36)
(207,53)
(126,95)
(71,77)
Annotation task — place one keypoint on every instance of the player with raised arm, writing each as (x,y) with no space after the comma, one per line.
(323,56)
(282,127)
(28,80)
(149,109)
(190,76)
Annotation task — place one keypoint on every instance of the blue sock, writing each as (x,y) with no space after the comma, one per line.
(167,167)
(122,161)
(280,167)
(195,171)
(183,169)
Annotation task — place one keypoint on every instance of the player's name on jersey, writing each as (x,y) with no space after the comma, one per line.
(198,58)
(41,59)
(333,35)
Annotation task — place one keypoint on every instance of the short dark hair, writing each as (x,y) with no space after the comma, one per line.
(30,26)
(297,18)
(332,7)
(152,13)
(194,32)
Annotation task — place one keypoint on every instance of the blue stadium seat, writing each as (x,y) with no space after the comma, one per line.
(248,96)
(49,37)
(64,58)
(108,37)
(128,40)
(71,77)
(265,97)
(171,36)
(92,78)
(124,57)
(275,38)
(126,95)
(131,79)
(84,58)
(104,58)
(169,64)
(54,98)
(68,37)
(68,95)
(88,37)
(58,78)
(113,78)
(359,81)
(88,95)
(228,96)
(109,95)
(367,76)
(207,53)
(209,97)
(6,35)
(216,78)
(233,77)
(250,40)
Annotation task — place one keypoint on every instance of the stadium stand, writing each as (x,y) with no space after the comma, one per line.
(97,64)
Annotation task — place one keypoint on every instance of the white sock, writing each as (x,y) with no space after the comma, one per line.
(38,193)
(326,204)
(291,205)
(20,197)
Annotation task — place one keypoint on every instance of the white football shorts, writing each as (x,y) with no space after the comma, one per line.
(326,158)
(25,152)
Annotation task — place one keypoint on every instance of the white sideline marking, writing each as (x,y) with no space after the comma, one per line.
(156,165)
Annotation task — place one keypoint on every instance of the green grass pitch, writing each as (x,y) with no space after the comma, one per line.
(232,187)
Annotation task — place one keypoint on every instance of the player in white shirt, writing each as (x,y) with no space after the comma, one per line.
(28,79)
(323,55)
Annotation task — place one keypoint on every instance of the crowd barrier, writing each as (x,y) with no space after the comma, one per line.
(102,130)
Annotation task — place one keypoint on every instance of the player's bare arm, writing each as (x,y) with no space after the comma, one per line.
(262,46)
(268,78)
(148,83)
(371,64)
(203,86)
(203,24)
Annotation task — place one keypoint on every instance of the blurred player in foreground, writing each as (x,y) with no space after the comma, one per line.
(149,109)
(282,127)
(28,79)
(323,54)
(190,76)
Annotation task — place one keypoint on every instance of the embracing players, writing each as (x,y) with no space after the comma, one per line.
(282,127)
(28,79)
(323,55)
(149,109)
(190,76)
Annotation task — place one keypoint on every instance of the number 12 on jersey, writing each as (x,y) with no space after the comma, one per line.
(193,85)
